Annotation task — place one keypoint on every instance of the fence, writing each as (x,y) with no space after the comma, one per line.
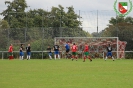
(44,55)
(43,35)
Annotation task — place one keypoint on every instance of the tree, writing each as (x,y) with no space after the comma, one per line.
(72,18)
(15,14)
(120,27)
(4,24)
(39,24)
(3,34)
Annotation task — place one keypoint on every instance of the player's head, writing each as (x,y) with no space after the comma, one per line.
(21,44)
(73,43)
(28,44)
(10,44)
(55,43)
(109,45)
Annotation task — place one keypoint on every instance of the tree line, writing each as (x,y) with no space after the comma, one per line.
(55,23)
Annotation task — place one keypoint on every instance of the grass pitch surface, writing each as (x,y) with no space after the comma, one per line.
(65,73)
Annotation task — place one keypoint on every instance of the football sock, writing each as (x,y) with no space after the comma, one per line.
(89,58)
(50,57)
(22,57)
(58,56)
(112,57)
(84,58)
(29,57)
(106,58)
(55,57)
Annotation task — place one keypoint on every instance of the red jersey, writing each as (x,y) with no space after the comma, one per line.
(86,48)
(10,49)
(74,48)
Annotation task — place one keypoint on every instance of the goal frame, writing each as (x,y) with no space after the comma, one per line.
(117,39)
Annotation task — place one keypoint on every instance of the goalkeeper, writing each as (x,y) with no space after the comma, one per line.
(109,52)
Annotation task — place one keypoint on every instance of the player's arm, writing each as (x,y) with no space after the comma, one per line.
(77,47)
(111,49)
(11,49)
(20,48)
(53,48)
(107,49)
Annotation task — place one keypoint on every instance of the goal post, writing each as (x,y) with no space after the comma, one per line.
(97,45)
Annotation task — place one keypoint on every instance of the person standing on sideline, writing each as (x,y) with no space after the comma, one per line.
(67,46)
(28,50)
(56,51)
(10,51)
(86,52)
(21,52)
(74,51)
(49,52)
(109,52)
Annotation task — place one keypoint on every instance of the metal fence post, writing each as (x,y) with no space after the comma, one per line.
(2,55)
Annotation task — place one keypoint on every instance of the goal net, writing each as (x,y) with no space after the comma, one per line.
(97,45)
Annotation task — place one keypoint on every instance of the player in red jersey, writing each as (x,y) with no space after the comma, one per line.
(10,51)
(74,51)
(86,52)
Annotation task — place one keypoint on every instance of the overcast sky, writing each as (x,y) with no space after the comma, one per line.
(88,10)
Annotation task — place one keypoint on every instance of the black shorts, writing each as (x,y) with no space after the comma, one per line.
(67,50)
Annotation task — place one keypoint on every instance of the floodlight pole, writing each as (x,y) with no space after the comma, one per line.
(97,21)
(116,26)
(43,34)
(26,27)
(60,25)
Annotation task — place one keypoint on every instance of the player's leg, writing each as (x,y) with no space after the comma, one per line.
(73,56)
(107,56)
(112,56)
(84,56)
(67,54)
(76,56)
(58,53)
(55,54)
(22,55)
(88,56)
(27,56)
(50,55)
(9,56)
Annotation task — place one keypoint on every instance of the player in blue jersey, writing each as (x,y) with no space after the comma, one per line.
(67,46)
(56,51)
(28,50)
(21,52)
(109,52)
(49,52)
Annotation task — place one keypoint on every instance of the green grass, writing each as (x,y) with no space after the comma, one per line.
(66,74)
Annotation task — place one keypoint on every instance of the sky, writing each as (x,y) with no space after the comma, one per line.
(93,12)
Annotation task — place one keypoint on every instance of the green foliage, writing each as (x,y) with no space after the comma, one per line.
(38,26)
(4,24)
(14,13)
(3,34)
(120,27)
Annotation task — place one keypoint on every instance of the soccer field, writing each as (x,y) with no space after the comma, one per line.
(65,73)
